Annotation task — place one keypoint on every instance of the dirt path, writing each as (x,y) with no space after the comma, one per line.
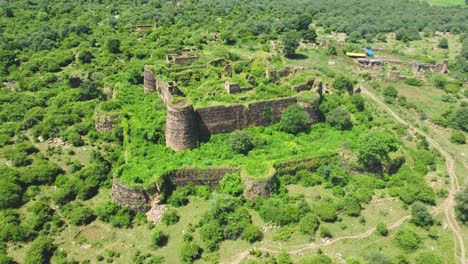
(447,206)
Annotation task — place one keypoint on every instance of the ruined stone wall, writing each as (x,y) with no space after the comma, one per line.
(264,113)
(181,127)
(220,119)
(149,85)
(163,91)
(135,198)
(197,176)
(225,119)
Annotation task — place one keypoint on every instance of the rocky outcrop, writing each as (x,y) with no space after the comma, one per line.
(135,198)
(105,122)
(255,188)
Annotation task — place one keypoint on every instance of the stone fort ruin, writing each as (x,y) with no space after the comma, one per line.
(185,125)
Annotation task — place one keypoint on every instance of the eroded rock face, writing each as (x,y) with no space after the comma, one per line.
(105,122)
(134,198)
(255,188)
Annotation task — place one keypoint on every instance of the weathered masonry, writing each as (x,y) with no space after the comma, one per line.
(185,125)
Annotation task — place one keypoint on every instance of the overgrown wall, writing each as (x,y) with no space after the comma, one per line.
(197,176)
(135,198)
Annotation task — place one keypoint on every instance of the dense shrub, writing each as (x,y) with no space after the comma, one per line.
(278,212)
(327,212)
(158,238)
(342,83)
(252,233)
(461,207)
(407,239)
(382,229)
(10,192)
(413,82)
(190,251)
(428,258)
(420,215)
(294,120)
(231,184)
(170,217)
(460,119)
(40,251)
(352,206)
(339,118)
(78,214)
(240,142)
(309,224)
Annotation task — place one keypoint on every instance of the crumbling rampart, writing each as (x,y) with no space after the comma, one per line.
(184,125)
(135,198)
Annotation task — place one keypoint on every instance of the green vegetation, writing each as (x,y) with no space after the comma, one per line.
(74,118)
(462,205)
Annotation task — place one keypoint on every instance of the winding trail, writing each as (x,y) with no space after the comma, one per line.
(447,206)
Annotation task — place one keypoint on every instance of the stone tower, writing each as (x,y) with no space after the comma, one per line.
(149,85)
(181,127)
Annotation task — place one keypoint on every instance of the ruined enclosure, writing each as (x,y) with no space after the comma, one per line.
(185,125)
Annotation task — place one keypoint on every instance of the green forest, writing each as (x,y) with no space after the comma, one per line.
(349,183)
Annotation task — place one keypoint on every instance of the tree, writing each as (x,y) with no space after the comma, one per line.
(310,35)
(240,142)
(339,118)
(457,137)
(290,43)
(10,193)
(113,46)
(420,216)
(460,120)
(309,224)
(390,91)
(40,251)
(342,83)
(407,239)
(374,147)
(443,43)
(228,37)
(352,206)
(85,57)
(461,207)
(302,22)
(294,120)
(354,37)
